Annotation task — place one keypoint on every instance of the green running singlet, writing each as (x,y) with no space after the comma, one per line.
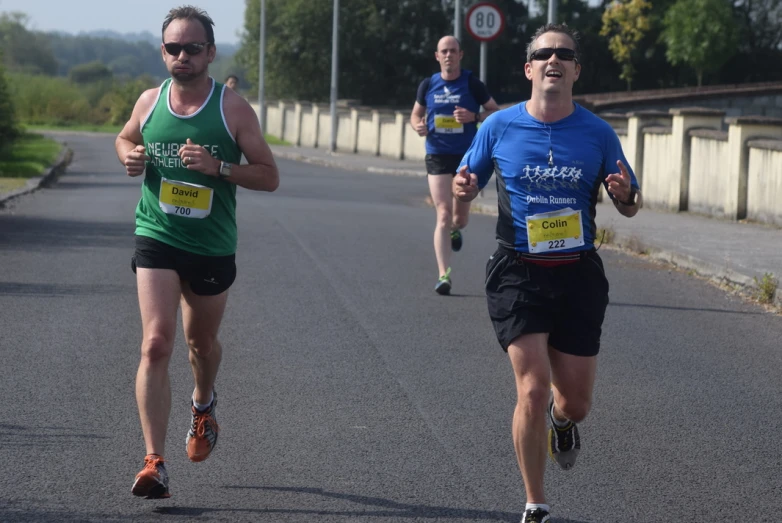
(180,207)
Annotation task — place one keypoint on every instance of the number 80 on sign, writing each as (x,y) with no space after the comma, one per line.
(485,21)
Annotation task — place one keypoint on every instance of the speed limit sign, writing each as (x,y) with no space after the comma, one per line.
(485,21)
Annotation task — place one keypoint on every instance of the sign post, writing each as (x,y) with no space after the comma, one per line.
(485,22)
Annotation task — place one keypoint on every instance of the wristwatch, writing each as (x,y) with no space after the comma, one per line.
(631,200)
(225,170)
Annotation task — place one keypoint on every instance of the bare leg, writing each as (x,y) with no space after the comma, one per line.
(201,317)
(158,295)
(440,189)
(461,214)
(529,358)
(573,378)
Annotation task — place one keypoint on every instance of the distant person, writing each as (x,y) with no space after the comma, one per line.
(186,233)
(447,111)
(231,81)
(545,285)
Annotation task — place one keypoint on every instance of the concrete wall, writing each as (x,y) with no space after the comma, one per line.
(709,155)
(684,158)
(764,181)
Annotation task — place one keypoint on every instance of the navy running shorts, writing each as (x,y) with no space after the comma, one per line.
(443,163)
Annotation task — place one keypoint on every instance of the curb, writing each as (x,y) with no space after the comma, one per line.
(47,179)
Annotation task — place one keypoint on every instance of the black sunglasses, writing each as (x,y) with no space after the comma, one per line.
(192,49)
(544,53)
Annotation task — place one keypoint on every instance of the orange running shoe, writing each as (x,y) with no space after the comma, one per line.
(202,436)
(152,481)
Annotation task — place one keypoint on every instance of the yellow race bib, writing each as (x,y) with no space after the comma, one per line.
(554,231)
(447,124)
(185,199)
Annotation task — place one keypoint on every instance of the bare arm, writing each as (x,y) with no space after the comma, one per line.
(418,119)
(488,108)
(260,173)
(129,143)
(619,185)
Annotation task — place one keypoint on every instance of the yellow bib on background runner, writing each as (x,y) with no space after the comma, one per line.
(188,200)
(447,124)
(555,230)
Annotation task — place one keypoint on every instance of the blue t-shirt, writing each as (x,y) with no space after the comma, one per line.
(543,168)
(440,97)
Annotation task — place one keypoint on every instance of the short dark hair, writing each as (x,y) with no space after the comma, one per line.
(554,28)
(231,76)
(189,12)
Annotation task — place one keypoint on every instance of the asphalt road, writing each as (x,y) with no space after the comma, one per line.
(349,390)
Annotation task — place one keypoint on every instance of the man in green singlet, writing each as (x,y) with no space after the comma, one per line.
(187,138)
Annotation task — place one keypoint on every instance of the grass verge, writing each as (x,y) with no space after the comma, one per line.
(113,129)
(29,156)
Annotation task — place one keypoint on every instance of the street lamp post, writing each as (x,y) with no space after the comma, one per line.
(552,11)
(457,20)
(334,74)
(261,68)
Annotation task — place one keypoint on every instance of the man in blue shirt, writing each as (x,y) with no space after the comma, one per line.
(546,288)
(447,111)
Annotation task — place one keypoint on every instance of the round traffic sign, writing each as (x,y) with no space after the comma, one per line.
(485,21)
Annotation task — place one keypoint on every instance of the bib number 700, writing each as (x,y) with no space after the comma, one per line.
(182,210)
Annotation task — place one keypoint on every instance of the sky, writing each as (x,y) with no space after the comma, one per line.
(75,16)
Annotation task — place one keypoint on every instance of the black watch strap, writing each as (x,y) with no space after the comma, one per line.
(631,201)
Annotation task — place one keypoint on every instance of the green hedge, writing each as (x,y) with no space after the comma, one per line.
(47,100)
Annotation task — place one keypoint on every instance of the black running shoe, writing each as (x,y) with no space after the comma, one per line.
(456,240)
(563,442)
(535,515)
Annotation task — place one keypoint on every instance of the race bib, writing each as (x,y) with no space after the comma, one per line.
(554,231)
(447,124)
(185,199)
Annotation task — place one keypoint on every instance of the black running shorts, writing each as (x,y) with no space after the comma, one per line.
(443,163)
(207,275)
(567,301)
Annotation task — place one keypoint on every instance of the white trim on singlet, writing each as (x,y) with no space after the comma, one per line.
(222,113)
(188,116)
(144,121)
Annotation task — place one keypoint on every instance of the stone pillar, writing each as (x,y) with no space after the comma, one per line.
(315,123)
(376,130)
(740,130)
(400,129)
(282,107)
(636,123)
(354,130)
(684,120)
(297,124)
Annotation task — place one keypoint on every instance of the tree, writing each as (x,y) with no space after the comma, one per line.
(24,50)
(8,128)
(700,34)
(89,73)
(625,22)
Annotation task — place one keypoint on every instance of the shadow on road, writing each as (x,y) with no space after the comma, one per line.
(53,290)
(42,437)
(33,234)
(694,309)
(384,508)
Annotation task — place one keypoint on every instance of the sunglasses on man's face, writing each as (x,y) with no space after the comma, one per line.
(563,53)
(192,49)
